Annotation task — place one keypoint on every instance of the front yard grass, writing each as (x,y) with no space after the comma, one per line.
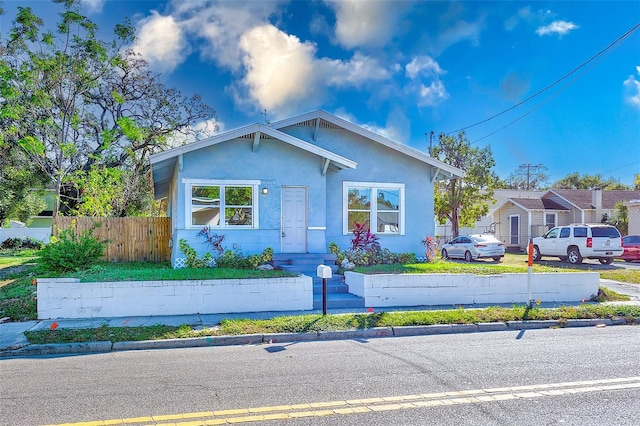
(18,270)
(315,323)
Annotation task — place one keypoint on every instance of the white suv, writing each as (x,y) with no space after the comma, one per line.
(576,242)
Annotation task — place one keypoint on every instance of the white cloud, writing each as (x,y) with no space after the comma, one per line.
(632,89)
(161,42)
(424,65)
(221,24)
(433,91)
(357,71)
(557,27)
(279,66)
(433,94)
(92,6)
(366,23)
(282,72)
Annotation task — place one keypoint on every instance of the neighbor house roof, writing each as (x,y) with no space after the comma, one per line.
(530,204)
(320,118)
(583,198)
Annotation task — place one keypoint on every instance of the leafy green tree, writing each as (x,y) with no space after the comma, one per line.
(71,101)
(636,183)
(576,181)
(463,201)
(21,185)
(620,218)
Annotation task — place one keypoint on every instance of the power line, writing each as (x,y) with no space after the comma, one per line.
(612,46)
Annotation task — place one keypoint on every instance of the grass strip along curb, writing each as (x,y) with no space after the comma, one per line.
(316,324)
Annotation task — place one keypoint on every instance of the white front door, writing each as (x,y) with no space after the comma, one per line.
(294,219)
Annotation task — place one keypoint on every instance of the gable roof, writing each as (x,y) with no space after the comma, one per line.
(583,198)
(531,204)
(321,118)
(163,163)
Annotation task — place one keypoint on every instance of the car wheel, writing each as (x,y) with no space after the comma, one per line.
(573,256)
(606,260)
(536,256)
(444,253)
(467,256)
(497,259)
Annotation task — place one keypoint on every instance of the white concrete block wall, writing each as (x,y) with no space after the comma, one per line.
(445,289)
(69,298)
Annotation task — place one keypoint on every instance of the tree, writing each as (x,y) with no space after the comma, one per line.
(20,187)
(636,183)
(463,201)
(620,218)
(72,102)
(575,181)
(528,177)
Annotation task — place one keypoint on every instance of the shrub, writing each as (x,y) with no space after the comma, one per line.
(431,248)
(214,240)
(364,239)
(72,252)
(236,260)
(11,244)
(193,260)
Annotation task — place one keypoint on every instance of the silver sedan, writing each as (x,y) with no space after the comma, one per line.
(472,247)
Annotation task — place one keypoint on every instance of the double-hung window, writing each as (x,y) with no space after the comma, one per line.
(378,205)
(222,204)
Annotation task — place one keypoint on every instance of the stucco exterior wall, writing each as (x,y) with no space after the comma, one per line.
(274,164)
(376,164)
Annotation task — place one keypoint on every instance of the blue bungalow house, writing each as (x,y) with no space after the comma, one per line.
(297,185)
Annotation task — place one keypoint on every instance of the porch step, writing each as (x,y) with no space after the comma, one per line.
(338,301)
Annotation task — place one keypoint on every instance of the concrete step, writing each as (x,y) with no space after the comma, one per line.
(339,301)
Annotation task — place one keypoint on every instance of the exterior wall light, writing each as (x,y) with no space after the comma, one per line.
(265,191)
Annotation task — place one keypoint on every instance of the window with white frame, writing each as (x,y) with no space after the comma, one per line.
(222,204)
(550,219)
(379,205)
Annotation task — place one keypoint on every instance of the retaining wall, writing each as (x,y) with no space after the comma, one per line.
(69,298)
(385,290)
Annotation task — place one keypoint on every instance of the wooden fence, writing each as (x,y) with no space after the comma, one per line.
(130,239)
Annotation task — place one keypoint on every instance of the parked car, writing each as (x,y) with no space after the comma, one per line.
(631,247)
(471,247)
(579,241)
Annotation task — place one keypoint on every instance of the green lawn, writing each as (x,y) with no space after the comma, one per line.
(18,270)
(314,323)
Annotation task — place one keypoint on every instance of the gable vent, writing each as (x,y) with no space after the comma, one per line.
(253,135)
(312,123)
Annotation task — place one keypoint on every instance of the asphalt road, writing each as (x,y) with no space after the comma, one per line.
(577,376)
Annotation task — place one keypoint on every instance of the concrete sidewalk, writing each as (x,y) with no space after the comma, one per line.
(14,343)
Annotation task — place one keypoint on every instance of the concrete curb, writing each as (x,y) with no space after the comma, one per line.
(273,338)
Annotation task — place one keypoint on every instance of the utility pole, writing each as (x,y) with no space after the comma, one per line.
(528,171)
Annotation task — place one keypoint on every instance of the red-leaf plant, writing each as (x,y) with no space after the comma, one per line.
(364,239)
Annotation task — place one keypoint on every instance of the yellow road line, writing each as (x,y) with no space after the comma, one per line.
(371,405)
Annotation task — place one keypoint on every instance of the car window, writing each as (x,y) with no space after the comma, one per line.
(466,240)
(456,240)
(580,232)
(605,231)
(565,232)
(633,239)
(553,233)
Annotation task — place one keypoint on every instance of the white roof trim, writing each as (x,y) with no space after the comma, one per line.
(340,161)
(405,149)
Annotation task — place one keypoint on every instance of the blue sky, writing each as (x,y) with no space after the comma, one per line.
(404,69)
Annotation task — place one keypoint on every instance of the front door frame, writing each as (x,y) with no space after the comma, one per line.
(294,226)
(517,230)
